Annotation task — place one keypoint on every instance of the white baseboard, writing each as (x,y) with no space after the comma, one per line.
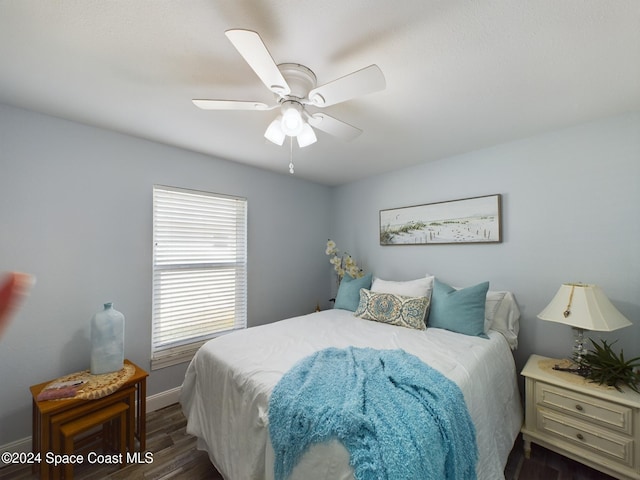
(163,399)
(154,402)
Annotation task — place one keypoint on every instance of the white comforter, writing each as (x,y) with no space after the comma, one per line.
(226,390)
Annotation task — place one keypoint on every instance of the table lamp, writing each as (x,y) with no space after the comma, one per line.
(583,307)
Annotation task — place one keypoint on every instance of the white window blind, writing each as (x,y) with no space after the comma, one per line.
(199,270)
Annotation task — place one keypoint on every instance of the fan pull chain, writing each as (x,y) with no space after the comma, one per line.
(291,155)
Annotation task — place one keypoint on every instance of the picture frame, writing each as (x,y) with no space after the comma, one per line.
(464,221)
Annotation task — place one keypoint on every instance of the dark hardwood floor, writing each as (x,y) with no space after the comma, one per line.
(175,457)
(547,465)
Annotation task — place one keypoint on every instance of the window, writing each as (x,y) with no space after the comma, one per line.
(199,270)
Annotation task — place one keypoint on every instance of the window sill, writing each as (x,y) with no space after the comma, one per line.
(175,357)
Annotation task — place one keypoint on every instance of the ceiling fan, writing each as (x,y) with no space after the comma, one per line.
(296,93)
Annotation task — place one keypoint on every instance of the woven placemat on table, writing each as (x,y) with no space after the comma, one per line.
(96,386)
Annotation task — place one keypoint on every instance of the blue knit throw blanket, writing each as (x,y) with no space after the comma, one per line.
(399,418)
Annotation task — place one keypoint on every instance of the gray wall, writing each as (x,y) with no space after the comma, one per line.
(571,213)
(75,210)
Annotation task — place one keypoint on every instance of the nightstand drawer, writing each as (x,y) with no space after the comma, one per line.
(594,410)
(604,443)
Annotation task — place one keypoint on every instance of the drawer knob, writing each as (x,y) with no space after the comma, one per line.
(579,436)
(579,407)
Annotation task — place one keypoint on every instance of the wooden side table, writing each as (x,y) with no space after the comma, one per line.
(44,412)
(592,424)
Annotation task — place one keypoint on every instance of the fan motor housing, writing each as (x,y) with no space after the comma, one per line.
(301,80)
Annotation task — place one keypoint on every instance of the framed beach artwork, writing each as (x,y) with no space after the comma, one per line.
(470,220)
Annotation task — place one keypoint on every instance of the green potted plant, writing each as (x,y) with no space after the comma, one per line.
(602,365)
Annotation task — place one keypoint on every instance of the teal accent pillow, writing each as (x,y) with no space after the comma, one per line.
(393,309)
(348,296)
(460,311)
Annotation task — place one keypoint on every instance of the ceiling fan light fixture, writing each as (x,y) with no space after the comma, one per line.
(307,136)
(292,122)
(274,131)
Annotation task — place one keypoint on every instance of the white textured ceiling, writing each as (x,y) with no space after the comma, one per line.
(461,75)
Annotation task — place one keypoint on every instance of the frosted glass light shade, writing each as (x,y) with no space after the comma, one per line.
(307,136)
(584,306)
(274,132)
(292,122)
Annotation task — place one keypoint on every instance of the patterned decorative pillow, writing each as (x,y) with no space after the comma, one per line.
(394,309)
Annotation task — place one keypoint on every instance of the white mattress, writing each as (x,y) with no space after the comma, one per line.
(226,390)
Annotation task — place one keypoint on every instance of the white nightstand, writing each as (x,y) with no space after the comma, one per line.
(593,424)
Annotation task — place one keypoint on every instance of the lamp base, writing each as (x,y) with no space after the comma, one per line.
(579,350)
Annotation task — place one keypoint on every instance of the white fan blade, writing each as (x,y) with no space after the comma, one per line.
(255,53)
(361,82)
(333,126)
(230,105)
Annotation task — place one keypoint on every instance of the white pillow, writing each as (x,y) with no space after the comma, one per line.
(494,300)
(421,287)
(504,316)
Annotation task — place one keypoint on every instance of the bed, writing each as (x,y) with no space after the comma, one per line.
(227,386)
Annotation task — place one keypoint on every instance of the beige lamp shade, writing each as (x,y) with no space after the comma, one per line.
(584,306)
